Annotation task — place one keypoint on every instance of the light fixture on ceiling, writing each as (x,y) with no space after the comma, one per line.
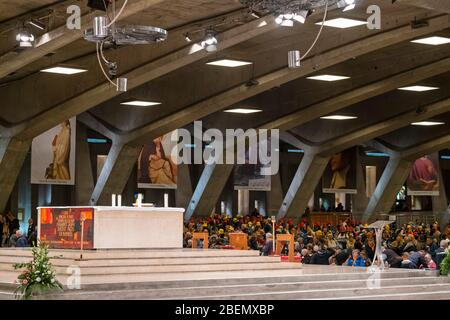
(105,31)
(210,41)
(25,38)
(434,41)
(243,111)
(418,88)
(287,20)
(187,37)
(37,24)
(230,63)
(346,4)
(427,123)
(140,103)
(343,23)
(328,77)
(64,70)
(338,117)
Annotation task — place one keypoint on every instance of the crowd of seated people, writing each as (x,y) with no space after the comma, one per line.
(348,243)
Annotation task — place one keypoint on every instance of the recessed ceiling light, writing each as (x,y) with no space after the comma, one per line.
(342,23)
(418,88)
(338,117)
(243,110)
(64,70)
(328,77)
(434,41)
(229,63)
(427,123)
(140,103)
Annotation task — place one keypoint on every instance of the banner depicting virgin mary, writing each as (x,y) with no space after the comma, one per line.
(156,168)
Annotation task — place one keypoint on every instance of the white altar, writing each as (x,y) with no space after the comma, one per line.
(113,227)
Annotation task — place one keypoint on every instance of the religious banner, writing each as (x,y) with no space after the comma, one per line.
(61,228)
(53,155)
(249,177)
(340,174)
(156,167)
(423,179)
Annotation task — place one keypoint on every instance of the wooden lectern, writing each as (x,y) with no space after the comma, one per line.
(239,240)
(286,238)
(200,235)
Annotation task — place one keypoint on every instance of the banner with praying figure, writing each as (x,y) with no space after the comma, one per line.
(340,174)
(156,167)
(53,155)
(423,179)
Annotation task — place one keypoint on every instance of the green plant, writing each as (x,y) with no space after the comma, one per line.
(38,276)
(445,265)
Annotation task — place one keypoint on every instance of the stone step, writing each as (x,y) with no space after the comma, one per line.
(435,295)
(182,268)
(7,261)
(337,293)
(128,254)
(305,273)
(183,292)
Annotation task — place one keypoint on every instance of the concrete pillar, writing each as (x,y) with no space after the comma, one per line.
(209,188)
(84,180)
(360,199)
(115,173)
(12,156)
(393,178)
(183,194)
(274,196)
(303,184)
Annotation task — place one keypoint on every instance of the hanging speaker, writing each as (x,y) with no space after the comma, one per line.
(294,59)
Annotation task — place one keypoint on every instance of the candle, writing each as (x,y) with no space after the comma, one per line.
(166,200)
(139,200)
(113,200)
(119,200)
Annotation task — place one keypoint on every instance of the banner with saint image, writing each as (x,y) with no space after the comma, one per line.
(340,174)
(156,167)
(423,179)
(53,155)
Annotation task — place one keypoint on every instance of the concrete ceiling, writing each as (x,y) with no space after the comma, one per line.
(28,93)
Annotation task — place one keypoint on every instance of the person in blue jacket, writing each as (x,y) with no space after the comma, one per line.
(355,260)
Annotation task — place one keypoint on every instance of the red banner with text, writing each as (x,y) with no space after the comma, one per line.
(61,228)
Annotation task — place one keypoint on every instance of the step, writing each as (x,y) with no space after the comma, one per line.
(127,254)
(181,293)
(326,293)
(7,261)
(156,280)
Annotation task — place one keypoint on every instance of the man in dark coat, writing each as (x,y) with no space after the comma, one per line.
(321,257)
(392,258)
(21,240)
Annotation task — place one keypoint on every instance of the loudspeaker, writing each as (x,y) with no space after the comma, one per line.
(98,4)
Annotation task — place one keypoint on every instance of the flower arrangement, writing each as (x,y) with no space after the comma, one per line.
(38,276)
(445,265)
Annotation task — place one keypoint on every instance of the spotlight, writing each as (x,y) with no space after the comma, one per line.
(37,24)
(25,38)
(279,19)
(287,23)
(301,16)
(210,41)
